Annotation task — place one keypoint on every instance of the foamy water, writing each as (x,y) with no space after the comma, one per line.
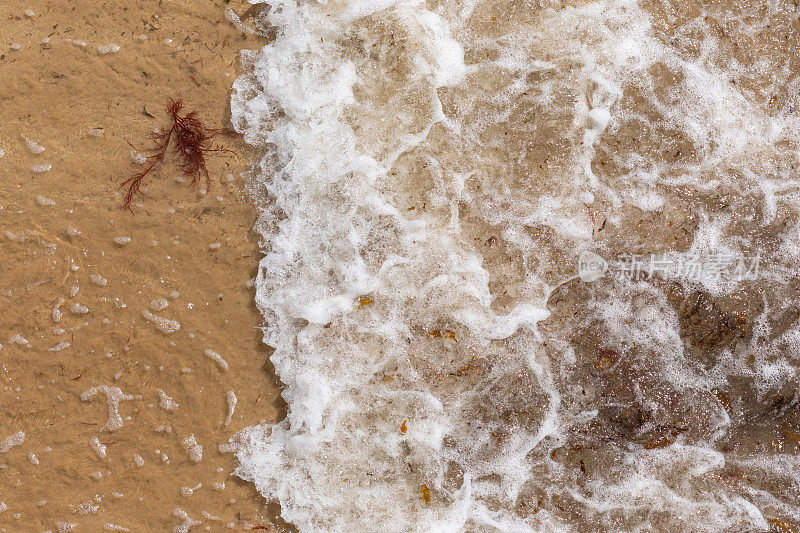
(433,172)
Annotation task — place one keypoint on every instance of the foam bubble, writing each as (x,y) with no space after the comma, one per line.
(14,440)
(114,396)
(108,48)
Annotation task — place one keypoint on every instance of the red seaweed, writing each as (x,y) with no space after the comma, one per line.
(190,139)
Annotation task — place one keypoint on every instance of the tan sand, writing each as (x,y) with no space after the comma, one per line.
(57,239)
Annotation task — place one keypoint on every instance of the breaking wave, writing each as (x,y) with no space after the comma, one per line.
(434,171)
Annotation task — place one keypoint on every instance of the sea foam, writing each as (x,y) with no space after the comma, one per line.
(433,171)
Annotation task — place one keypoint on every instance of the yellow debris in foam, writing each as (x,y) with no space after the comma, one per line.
(443,334)
(782,526)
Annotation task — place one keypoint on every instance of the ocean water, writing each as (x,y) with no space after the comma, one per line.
(530,265)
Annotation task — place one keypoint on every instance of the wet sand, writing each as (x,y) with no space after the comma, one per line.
(73,295)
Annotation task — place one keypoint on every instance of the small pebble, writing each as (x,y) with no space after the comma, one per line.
(121,241)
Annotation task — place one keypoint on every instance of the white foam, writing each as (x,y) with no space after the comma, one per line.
(78,309)
(400,392)
(231,15)
(108,48)
(108,526)
(19,339)
(165,325)
(159,304)
(114,396)
(217,358)
(9,442)
(34,146)
(194,450)
(98,447)
(189,491)
(166,402)
(187,522)
(231,397)
(46,202)
(63,345)
(138,158)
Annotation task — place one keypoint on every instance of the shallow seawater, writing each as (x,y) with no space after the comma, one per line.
(436,172)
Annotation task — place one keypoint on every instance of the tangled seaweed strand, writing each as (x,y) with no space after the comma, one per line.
(190,140)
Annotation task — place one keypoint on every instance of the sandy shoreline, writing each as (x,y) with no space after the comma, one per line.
(61,213)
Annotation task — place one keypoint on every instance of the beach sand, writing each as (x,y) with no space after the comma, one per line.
(74,291)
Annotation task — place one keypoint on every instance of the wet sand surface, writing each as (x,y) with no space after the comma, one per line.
(84,283)
(154,309)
